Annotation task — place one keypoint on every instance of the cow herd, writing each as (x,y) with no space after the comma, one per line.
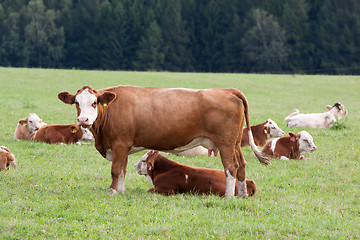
(126,119)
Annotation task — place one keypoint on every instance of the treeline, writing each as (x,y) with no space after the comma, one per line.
(273,36)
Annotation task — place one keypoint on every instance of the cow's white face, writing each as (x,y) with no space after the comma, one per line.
(275,131)
(306,143)
(141,166)
(86,103)
(87,135)
(34,122)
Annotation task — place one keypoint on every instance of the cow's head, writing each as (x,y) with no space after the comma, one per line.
(6,158)
(32,122)
(146,163)
(305,140)
(87,101)
(272,129)
(338,110)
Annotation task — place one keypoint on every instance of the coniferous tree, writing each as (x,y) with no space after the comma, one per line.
(338,37)
(264,44)
(43,37)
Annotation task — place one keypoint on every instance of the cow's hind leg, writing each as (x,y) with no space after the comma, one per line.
(241,173)
(118,169)
(230,168)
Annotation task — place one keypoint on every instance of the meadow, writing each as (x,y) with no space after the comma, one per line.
(61,191)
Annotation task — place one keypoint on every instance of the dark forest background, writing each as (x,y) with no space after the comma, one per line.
(267,36)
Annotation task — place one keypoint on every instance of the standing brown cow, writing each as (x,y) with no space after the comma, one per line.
(127,119)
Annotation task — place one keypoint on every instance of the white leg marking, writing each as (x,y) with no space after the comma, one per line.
(230,185)
(242,192)
(121,186)
(284,158)
(186,178)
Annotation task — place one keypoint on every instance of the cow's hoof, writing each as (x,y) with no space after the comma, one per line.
(112,191)
(228,196)
(242,195)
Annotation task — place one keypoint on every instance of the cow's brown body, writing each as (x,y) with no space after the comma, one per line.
(260,135)
(169,177)
(130,118)
(6,158)
(284,148)
(58,133)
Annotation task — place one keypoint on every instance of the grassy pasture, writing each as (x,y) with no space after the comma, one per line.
(60,191)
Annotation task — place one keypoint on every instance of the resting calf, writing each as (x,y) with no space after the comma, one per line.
(262,133)
(62,133)
(169,177)
(6,158)
(316,120)
(292,146)
(27,127)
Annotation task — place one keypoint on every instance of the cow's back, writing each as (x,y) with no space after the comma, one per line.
(58,133)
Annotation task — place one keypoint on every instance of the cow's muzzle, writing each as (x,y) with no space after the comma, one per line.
(83,122)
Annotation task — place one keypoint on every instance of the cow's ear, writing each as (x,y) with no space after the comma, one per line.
(328,107)
(106,98)
(66,97)
(74,129)
(150,165)
(23,122)
(266,130)
(293,137)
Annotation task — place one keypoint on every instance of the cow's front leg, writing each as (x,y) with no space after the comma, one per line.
(241,174)
(118,169)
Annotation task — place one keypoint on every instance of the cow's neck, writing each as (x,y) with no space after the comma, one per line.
(294,149)
(96,130)
(162,164)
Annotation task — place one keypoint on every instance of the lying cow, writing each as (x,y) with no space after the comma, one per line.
(169,177)
(62,133)
(27,127)
(6,158)
(262,133)
(316,120)
(128,119)
(292,146)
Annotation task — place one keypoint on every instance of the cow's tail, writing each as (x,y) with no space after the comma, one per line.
(263,158)
(296,111)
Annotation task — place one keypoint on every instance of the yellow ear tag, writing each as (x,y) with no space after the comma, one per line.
(73,130)
(265,131)
(105,105)
(24,124)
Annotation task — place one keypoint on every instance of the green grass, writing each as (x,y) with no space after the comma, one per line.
(60,192)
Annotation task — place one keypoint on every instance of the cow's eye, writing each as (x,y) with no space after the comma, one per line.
(93,104)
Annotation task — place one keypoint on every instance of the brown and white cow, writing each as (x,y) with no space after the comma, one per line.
(127,119)
(262,133)
(316,120)
(292,146)
(6,158)
(28,126)
(62,133)
(169,177)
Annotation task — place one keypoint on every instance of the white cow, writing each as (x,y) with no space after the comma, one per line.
(28,126)
(316,120)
